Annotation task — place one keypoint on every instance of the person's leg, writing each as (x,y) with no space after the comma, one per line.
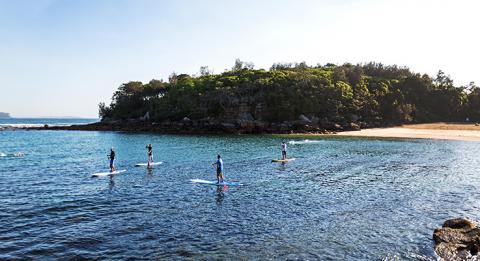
(218,177)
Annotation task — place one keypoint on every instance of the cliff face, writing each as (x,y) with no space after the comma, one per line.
(4,115)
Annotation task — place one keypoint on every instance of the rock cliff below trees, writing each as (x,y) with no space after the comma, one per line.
(242,125)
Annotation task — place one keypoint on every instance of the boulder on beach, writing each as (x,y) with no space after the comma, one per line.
(457,239)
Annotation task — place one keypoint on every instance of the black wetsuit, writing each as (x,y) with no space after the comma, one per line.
(112,158)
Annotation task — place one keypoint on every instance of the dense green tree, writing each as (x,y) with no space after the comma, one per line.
(373,93)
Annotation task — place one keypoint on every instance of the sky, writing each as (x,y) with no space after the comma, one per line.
(63,57)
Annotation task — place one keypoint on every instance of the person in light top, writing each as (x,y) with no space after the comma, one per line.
(219,166)
(284,150)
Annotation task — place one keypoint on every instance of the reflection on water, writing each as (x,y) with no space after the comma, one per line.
(149,172)
(220,194)
(282,166)
(111,183)
(347,199)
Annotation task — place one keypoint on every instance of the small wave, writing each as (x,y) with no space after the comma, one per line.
(296,142)
(21,125)
(39,125)
(16,154)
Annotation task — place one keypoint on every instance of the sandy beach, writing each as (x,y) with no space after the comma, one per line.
(441,130)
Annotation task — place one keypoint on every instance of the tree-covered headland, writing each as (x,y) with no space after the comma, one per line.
(292,97)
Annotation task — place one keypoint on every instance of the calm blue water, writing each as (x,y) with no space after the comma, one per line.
(346,199)
(40,122)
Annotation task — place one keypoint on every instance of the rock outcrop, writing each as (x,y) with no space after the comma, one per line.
(457,239)
(243,122)
(4,115)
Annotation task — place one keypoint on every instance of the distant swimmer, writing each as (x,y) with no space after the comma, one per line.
(150,154)
(284,150)
(112,159)
(219,166)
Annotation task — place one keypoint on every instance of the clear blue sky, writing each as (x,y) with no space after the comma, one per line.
(63,57)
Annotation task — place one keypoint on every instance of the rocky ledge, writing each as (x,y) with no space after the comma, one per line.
(243,124)
(217,126)
(190,127)
(457,239)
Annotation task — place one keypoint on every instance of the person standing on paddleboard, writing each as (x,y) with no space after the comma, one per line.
(150,154)
(219,165)
(112,159)
(284,150)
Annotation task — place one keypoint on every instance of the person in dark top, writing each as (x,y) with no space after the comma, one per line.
(112,159)
(150,154)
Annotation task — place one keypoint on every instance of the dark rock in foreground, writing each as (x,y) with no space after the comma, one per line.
(457,239)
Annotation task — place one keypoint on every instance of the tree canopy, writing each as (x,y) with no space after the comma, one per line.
(371,93)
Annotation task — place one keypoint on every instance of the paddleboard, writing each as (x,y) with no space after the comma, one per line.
(146,164)
(214,182)
(280,160)
(103,174)
(299,142)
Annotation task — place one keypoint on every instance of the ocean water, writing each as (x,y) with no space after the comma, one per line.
(40,122)
(341,199)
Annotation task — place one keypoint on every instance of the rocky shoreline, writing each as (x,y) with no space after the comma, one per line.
(457,239)
(212,126)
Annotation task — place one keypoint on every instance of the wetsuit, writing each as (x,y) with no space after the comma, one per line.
(112,159)
(150,153)
(219,164)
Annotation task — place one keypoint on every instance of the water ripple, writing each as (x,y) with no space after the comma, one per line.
(348,199)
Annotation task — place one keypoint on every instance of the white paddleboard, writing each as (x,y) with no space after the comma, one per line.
(146,164)
(299,142)
(214,182)
(103,174)
(280,160)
